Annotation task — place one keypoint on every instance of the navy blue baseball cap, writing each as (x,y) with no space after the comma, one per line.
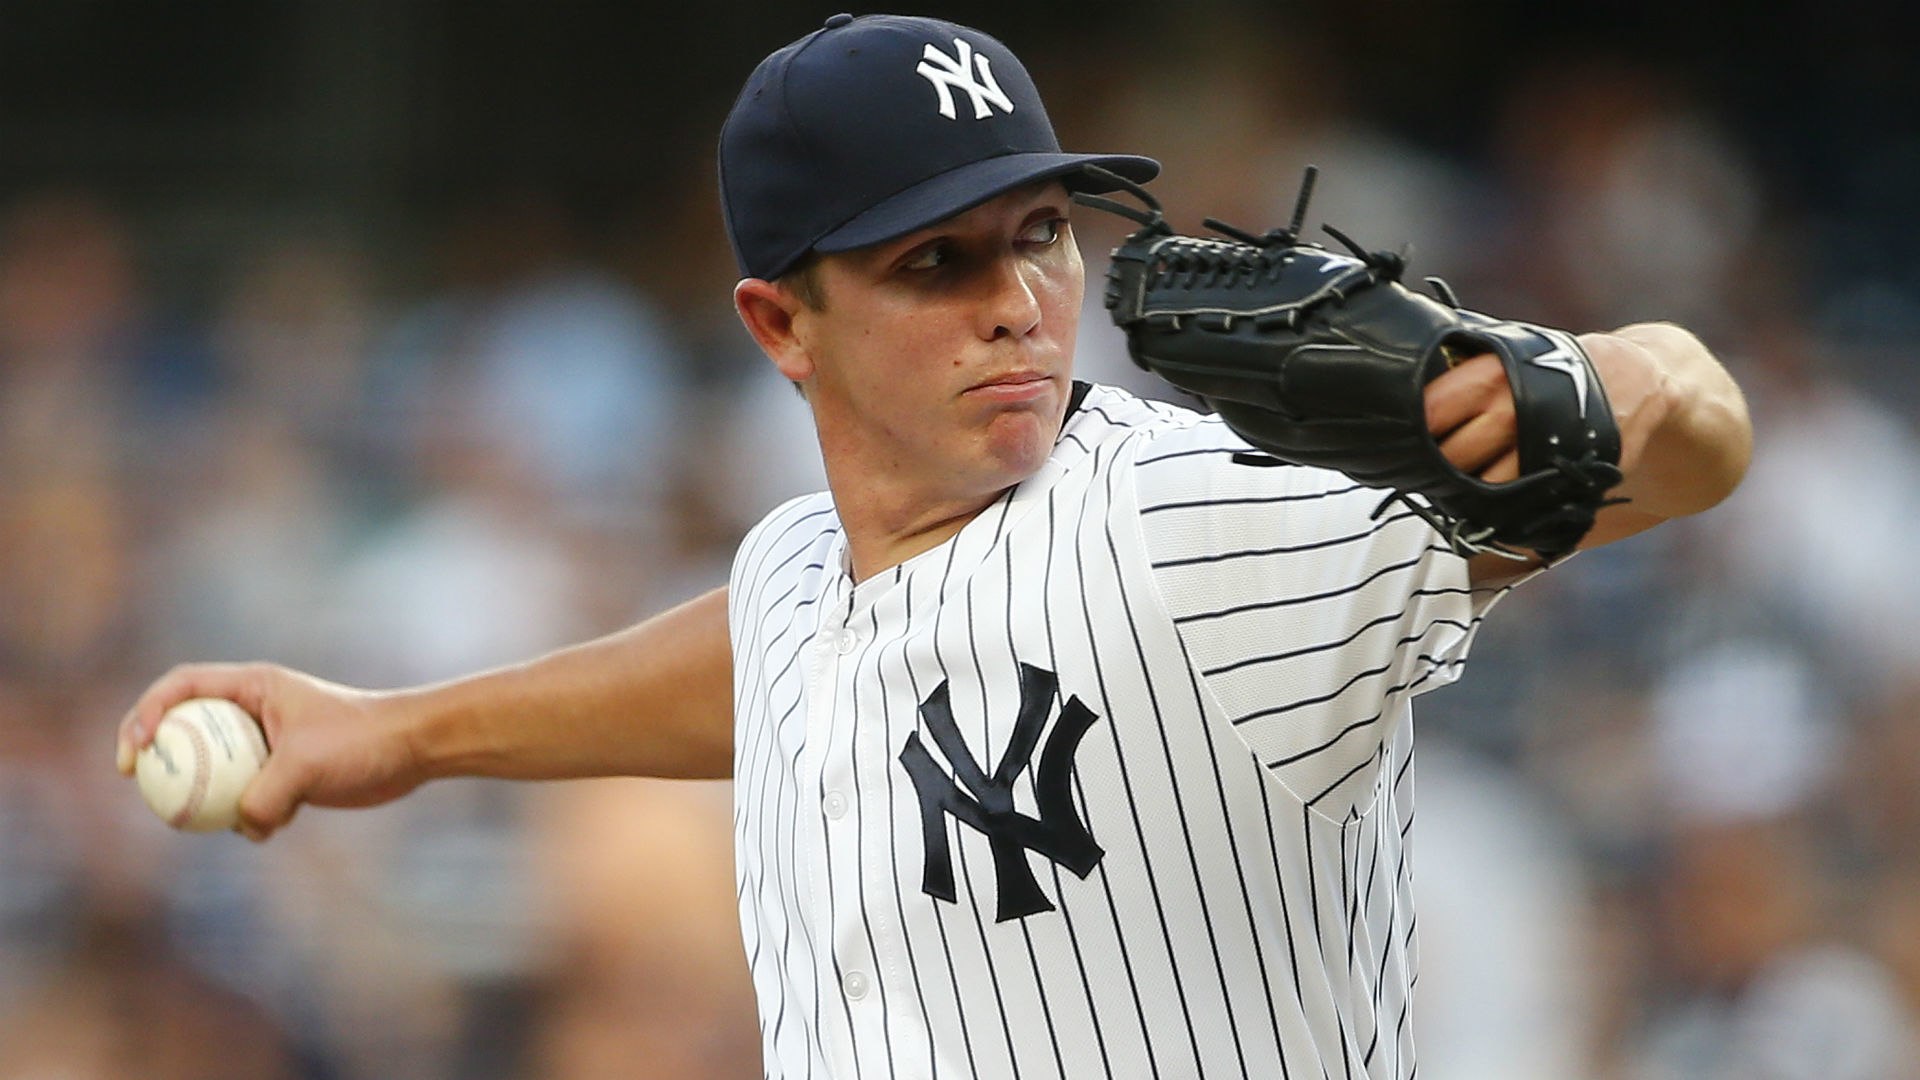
(872,127)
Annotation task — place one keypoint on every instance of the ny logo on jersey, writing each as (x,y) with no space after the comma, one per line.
(1058,833)
(950,73)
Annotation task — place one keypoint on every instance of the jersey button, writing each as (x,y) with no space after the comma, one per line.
(847,640)
(855,984)
(835,804)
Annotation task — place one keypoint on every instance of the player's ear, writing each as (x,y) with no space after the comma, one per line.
(772,314)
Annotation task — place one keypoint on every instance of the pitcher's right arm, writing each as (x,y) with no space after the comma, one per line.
(654,699)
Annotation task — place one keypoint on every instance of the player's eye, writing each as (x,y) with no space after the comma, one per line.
(1043,232)
(928,257)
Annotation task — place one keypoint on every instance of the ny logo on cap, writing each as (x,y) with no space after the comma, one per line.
(948,73)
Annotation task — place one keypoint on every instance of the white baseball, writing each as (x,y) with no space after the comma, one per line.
(201,758)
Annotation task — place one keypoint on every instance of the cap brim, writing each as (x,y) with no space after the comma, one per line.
(940,197)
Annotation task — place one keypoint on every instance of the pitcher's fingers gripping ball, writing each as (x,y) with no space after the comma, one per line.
(203,755)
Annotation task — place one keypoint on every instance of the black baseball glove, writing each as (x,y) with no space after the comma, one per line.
(1319,358)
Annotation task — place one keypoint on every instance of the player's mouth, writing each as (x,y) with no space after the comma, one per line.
(1014,387)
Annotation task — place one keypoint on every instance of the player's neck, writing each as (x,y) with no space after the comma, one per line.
(882,533)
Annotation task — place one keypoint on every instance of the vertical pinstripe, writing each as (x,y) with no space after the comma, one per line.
(1248,640)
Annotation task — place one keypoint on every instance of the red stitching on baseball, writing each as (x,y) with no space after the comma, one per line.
(202,772)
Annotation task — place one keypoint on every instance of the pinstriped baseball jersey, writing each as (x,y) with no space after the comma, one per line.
(1117,782)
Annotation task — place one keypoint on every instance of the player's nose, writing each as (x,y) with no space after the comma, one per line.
(1011,309)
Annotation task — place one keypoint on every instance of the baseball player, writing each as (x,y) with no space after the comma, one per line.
(1065,742)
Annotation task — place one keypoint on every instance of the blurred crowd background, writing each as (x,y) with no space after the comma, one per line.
(392,340)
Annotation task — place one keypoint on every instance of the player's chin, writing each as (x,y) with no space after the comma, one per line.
(1018,441)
